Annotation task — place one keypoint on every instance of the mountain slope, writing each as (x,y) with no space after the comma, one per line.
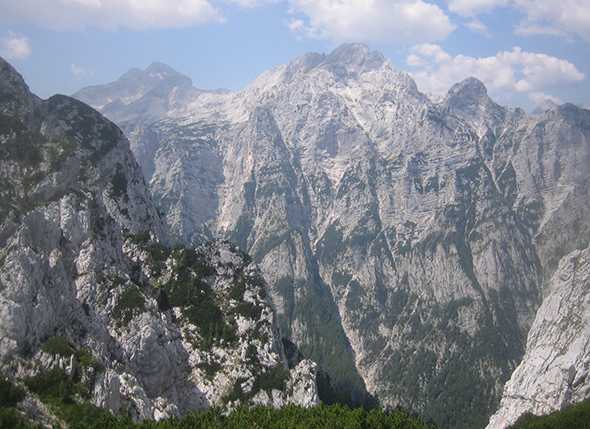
(92,291)
(554,371)
(406,243)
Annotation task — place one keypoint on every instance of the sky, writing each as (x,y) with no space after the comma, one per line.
(525,51)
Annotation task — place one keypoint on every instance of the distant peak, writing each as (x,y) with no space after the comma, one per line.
(544,106)
(467,96)
(158,67)
(353,58)
(305,62)
(346,60)
(351,48)
(469,88)
(155,72)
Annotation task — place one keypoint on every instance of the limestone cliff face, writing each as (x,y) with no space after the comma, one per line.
(90,285)
(406,244)
(554,371)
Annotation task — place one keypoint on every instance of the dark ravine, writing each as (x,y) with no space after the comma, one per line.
(407,245)
(93,291)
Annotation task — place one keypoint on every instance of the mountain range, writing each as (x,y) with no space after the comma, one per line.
(408,244)
(96,297)
(431,255)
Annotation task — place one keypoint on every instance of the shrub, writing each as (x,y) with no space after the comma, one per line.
(274,378)
(53,384)
(87,360)
(58,346)
(11,418)
(62,394)
(195,298)
(10,395)
(249,310)
(119,184)
(141,238)
(574,417)
(58,151)
(130,303)
(210,368)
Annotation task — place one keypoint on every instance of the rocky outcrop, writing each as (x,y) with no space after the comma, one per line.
(406,244)
(90,286)
(554,372)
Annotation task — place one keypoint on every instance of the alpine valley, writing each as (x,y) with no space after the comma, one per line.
(327,234)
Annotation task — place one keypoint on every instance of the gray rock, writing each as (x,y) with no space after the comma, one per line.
(554,372)
(406,244)
(86,270)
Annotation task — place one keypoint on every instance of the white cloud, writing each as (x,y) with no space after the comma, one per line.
(78,71)
(557,17)
(554,17)
(507,72)
(475,7)
(540,98)
(530,29)
(393,21)
(15,47)
(478,26)
(429,52)
(252,3)
(296,25)
(111,14)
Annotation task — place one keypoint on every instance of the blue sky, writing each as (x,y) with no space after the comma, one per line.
(524,50)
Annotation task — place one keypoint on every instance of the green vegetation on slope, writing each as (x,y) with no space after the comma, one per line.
(574,417)
(64,397)
(10,396)
(291,417)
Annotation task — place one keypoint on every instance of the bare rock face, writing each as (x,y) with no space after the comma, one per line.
(406,244)
(90,286)
(555,370)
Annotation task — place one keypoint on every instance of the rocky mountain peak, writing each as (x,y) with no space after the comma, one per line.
(470,90)
(305,63)
(11,80)
(353,58)
(84,259)
(567,113)
(544,106)
(347,60)
(161,70)
(157,79)
(153,74)
(469,100)
(14,91)
(368,208)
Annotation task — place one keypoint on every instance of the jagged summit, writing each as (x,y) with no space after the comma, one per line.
(353,58)
(10,79)
(468,90)
(14,88)
(413,235)
(159,67)
(149,92)
(134,85)
(305,63)
(155,71)
(152,75)
(347,60)
(545,106)
(470,101)
(354,54)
